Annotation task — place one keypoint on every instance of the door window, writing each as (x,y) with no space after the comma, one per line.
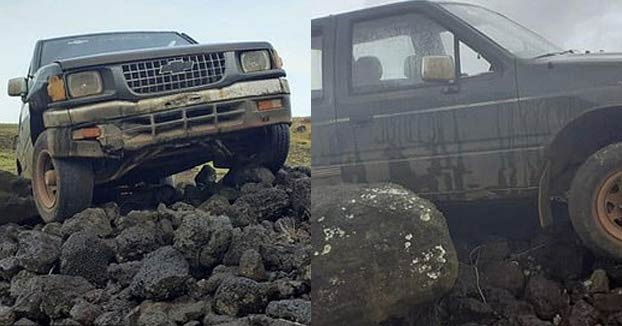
(316,66)
(387,52)
(473,63)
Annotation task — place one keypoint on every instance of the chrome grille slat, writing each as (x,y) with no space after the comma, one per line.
(144,77)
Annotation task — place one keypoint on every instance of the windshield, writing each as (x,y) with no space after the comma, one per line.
(513,37)
(79,46)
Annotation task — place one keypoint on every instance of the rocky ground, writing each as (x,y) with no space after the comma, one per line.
(233,253)
(512,273)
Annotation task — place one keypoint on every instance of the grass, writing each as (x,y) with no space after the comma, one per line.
(299,153)
(300,142)
(7,154)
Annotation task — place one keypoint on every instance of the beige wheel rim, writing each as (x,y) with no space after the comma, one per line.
(46,185)
(608,205)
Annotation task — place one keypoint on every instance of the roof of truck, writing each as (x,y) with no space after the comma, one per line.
(396,4)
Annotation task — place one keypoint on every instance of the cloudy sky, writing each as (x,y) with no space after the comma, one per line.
(573,24)
(285,24)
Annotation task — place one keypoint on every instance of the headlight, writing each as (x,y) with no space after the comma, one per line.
(84,84)
(255,61)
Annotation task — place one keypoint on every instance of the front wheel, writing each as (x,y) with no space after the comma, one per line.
(595,202)
(61,187)
(276,147)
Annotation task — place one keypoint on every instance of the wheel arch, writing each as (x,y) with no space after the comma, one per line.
(570,147)
(18,168)
(36,125)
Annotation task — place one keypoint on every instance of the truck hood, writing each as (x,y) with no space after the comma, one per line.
(153,53)
(590,58)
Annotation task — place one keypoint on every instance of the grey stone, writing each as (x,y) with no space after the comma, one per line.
(547,297)
(9,267)
(265,204)
(240,296)
(161,276)
(84,254)
(203,239)
(136,241)
(92,219)
(598,282)
(251,266)
(294,310)
(37,251)
(123,273)
(7,315)
(52,295)
(84,312)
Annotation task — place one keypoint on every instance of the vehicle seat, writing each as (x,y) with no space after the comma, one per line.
(367,71)
(412,68)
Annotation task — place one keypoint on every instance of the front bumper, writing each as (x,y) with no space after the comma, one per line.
(130,126)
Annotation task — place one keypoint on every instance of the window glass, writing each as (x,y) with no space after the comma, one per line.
(387,52)
(515,38)
(472,63)
(71,47)
(316,63)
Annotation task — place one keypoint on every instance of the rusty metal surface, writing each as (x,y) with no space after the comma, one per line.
(116,109)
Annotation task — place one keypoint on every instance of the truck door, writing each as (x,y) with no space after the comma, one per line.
(323,100)
(394,126)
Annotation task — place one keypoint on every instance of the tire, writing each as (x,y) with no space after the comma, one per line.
(61,187)
(595,188)
(276,147)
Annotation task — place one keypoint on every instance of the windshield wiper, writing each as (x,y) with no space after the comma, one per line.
(552,54)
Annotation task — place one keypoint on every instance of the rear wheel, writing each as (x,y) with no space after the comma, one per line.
(61,187)
(595,201)
(276,147)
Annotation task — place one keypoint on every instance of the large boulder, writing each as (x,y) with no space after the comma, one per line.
(16,203)
(380,250)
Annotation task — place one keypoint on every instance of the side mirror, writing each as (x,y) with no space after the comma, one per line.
(18,87)
(438,69)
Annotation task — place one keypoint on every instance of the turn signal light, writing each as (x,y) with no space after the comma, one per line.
(56,88)
(86,133)
(266,105)
(278,61)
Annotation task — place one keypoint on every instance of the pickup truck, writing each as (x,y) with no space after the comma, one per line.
(461,104)
(133,107)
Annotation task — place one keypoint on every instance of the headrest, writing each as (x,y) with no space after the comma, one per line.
(367,71)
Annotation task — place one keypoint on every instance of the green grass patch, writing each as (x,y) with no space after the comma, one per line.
(7,154)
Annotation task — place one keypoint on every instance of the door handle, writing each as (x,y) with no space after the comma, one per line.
(451,89)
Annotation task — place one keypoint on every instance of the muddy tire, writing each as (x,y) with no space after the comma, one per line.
(61,187)
(595,202)
(276,147)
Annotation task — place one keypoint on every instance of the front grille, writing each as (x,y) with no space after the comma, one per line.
(187,119)
(149,76)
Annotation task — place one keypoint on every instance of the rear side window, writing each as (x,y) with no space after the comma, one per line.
(317,76)
(387,52)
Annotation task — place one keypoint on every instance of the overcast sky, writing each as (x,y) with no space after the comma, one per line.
(286,24)
(573,24)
